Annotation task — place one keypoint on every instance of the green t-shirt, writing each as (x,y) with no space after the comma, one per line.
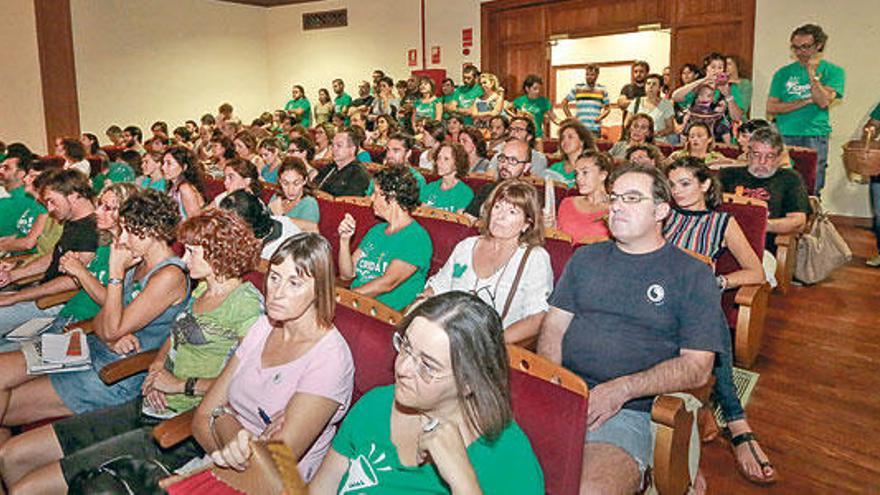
(418,175)
(444,99)
(27,219)
(455,199)
(506,466)
(116,172)
(426,109)
(537,107)
(12,209)
(81,306)
(303,103)
(201,343)
(411,244)
(341,102)
(742,94)
(559,168)
(466,97)
(148,183)
(876,113)
(792,83)
(307,209)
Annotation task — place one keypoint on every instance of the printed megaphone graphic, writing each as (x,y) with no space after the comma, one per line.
(360,475)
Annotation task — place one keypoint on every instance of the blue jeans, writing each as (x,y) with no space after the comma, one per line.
(818,143)
(724,392)
(875,207)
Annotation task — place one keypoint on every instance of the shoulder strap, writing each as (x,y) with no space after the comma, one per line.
(519,272)
(638,104)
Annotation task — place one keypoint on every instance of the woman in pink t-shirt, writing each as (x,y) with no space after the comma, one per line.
(292,376)
(583,216)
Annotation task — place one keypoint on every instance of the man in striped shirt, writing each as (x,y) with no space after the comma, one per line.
(591,101)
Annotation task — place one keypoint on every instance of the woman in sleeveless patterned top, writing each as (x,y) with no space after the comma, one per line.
(697,225)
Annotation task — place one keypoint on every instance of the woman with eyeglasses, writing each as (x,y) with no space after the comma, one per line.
(446,424)
(391,262)
(51,459)
(584,216)
(304,149)
(448,192)
(639,129)
(696,224)
(506,265)
(296,198)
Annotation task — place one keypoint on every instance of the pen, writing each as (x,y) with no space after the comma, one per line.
(265,417)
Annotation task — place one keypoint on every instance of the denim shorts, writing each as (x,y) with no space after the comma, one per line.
(631,431)
(83,391)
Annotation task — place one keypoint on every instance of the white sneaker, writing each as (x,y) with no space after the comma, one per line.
(875,261)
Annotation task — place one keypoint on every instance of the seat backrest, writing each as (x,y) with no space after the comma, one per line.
(334,210)
(113,152)
(95,165)
(477,181)
(555,420)
(560,248)
(52,161)
(446,230)
(377,153)
(257,278)
(806,162)
(213,188)
(366,326)
(729,151)
(268,191)
(751,215)
(551,146)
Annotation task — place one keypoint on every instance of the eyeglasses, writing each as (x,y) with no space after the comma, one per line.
(517,129)
(502,158)
(426,372)
(764,157)
(627,198)
(803,47)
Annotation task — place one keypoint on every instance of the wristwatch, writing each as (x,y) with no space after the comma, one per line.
(189,387)
(114,281)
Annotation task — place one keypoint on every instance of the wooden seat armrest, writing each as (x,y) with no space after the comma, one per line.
(55,299)
(87,326)
(786,257)
(674,425)
(127,367)
(172,431)
(751,303)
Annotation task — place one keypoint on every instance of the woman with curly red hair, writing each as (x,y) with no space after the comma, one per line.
(220,248)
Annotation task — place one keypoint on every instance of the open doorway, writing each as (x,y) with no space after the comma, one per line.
(614,54)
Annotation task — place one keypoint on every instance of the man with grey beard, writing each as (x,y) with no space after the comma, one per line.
(782,189)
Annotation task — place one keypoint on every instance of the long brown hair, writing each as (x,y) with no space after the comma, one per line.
(312,256)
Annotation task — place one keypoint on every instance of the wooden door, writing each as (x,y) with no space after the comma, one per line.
(517,46)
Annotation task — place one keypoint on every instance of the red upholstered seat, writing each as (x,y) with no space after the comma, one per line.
(213,188)
(554,419)
(560,252)
(728,151)
(369,340)
(415,156)
(52,161)
(377,153)
(753,221)
(806,162)
(257,278)
(269,190)
(445,235)
(332,212)
(476,183)
(551,146)
(95,164)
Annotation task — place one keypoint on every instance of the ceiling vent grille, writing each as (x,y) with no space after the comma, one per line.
(325,20)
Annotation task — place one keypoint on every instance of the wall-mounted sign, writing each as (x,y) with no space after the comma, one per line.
(435,54)
(412,56)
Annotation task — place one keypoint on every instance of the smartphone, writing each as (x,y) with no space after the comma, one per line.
(721,78)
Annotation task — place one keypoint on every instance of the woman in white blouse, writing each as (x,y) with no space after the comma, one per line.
(489,265)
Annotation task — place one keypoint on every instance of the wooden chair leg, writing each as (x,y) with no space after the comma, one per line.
(749,332)
(671,445)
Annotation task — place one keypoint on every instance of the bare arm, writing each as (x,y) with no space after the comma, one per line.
(565,109)
(553,328)
(114,321)
(604,113)
(525,328)
(777,106)
(38,266)
(192,200)
(11,244)
(218,395)
(62,283)
(789,224)
(751,271)
(347,259)
(438,110)
(681,93)
(326,480)
(396,273)
(691,369)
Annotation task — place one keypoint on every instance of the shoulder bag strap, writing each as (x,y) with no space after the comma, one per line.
(519,272)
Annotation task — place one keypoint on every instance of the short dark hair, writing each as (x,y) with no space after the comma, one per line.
(642,63)
(471,69)
(161,125)
(150,213)
(399,184)
(252,211)
(305,144)
(477,137)
(67,182)
(73,148)
(531,128)
(602,160)
(530,81)
(708,59)
(23,153)
(435,128)
(405,139)
(478,357)
(134,160)
(660,190)
(753,125)
(208,119)
(814,30)
(135,131)
(697,167)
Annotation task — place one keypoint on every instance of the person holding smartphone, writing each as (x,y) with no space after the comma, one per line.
(801,93)
(724,94)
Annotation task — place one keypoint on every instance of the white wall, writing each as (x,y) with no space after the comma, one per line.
(140,61)
(853,28)
(378,35)
(21,95)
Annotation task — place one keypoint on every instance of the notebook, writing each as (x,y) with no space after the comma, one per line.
(30,329)
(57,353)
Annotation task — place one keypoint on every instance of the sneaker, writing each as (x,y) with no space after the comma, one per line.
(875,261)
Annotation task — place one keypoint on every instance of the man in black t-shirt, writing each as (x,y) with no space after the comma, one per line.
(68,197)
(345,176)
(635,318)
(636,88)
(782,189)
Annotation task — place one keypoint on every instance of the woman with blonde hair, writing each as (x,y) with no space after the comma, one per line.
(490,103)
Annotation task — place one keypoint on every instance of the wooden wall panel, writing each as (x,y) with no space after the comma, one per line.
(595,16)
(521,25)
(57,69)
(518,62)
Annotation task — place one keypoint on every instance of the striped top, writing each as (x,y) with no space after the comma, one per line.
(698,231)
(589,103)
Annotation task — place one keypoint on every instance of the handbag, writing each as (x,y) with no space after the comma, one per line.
(124,475)
(820,251)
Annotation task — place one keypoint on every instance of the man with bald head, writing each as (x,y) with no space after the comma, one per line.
(514,160)
(523,129)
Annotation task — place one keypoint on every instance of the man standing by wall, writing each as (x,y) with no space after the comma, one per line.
(591,101)
(640,71)
(801,93)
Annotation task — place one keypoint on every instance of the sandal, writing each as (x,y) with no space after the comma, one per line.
(749,439)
